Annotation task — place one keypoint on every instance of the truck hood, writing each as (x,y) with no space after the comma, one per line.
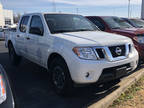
(130,30)
(94,38)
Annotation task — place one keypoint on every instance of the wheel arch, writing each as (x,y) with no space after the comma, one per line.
(12,43)
(52,57)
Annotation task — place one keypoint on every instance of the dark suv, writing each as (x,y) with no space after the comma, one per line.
(138,23)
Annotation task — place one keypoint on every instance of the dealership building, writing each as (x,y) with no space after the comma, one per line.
(6,17)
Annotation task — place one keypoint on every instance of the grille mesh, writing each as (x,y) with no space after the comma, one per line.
(100,53)
(114,52)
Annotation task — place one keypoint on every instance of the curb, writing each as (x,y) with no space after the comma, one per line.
(124,85)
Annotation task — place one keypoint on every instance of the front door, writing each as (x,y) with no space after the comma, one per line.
(36,31)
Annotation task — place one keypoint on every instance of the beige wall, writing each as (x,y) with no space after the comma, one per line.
(2,22)
(5,15)
(8,14)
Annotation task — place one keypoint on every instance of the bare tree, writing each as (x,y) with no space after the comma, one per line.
(17,17)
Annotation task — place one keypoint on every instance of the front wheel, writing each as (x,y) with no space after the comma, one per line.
(14,58)
(60,77)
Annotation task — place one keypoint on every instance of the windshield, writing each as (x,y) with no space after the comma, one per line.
(59,23)
(117,23)
(138,22)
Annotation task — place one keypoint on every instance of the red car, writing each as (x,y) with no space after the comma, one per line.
(120,26)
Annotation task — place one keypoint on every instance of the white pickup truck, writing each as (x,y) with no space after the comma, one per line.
(73,49)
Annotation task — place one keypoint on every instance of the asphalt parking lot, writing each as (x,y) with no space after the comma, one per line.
(31,87)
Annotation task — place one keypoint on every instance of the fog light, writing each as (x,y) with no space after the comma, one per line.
(2,90)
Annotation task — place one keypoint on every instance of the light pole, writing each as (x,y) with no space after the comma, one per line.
(128,8)
(142,10)
(54,6)
(77,10)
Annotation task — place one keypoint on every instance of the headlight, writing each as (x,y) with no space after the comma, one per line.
(2,90)
(85,53)
(139,39)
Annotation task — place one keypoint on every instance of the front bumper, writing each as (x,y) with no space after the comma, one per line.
(87,71)
(114,73)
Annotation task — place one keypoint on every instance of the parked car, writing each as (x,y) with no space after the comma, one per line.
(138,23)
(6,96)
(1,34)
(72,48)
(120,26)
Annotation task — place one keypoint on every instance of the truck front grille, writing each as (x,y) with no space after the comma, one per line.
(117,51)
(113,53)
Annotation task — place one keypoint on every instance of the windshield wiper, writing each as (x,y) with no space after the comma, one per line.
(61,31)
(129,27)
(140,26)
(116,28)
(84,30)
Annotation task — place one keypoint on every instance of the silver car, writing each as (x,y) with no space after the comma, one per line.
(1,34)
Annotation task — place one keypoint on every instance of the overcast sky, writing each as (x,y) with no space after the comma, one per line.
(84,7)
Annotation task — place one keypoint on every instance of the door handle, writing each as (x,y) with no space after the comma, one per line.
(18,35)
(27,38)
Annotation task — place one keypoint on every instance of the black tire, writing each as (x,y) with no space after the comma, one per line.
(60,77)
(14,58)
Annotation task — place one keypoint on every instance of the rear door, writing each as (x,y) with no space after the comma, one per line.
(21,34)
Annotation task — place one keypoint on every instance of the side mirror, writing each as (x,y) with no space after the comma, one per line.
(36,30)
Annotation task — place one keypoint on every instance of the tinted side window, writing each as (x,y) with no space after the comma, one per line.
(98,23)
(23,24)
(36,26)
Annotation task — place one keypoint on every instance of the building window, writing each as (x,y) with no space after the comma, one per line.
(7,21)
